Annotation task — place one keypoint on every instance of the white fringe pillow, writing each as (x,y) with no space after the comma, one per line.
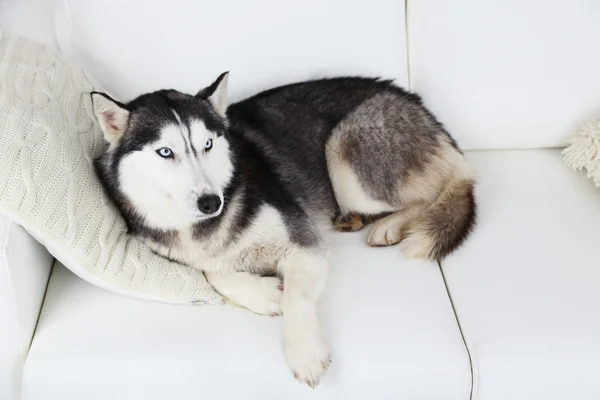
(583,151)
(48,139)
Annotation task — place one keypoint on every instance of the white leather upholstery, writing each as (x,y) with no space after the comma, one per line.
(506,73)
(526,285)
(24,269)
(33,19)
(390,323)
(140,45)
(499,74)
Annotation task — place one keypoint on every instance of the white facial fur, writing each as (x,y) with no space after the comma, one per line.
(164,190)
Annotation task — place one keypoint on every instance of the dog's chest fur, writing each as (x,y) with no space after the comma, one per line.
(256,249)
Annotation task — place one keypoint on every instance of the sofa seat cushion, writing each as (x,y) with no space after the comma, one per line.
(526,286)
(390,323)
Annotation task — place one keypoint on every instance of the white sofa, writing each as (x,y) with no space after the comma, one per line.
(513,315)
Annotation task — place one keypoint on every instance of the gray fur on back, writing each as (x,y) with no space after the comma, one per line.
(387,137)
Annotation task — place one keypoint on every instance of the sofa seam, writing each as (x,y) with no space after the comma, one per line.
(11,293)
(462,333)
(37,322)
(64,33)
(407,41)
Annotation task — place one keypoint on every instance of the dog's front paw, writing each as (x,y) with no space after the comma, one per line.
(308,356)
(259,294)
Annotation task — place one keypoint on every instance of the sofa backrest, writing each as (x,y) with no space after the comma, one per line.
(30,18)
(140,45)
(498,73)
(507,73)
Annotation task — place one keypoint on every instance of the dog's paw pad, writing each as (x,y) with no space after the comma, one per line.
(349,223)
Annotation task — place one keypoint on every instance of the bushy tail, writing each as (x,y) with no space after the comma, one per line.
(445,225)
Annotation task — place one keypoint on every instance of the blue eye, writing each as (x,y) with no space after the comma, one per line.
(208,145)
(165,152)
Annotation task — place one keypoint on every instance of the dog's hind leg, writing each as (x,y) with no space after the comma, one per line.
(389,230)
(391,155)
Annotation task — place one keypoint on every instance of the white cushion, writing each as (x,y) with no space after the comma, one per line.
(389,322)
(506,74)
(48,139)
(24,270)
(526,286)
(143,45)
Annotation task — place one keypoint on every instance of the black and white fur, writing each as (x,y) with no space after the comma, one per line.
(244,191)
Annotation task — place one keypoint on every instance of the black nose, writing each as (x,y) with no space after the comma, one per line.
(209,203)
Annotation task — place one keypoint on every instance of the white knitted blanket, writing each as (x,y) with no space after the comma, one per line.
(48,139)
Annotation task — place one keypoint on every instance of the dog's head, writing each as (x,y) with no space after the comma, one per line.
(168,160)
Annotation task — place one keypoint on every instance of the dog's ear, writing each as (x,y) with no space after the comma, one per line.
(112,115)
(217,94)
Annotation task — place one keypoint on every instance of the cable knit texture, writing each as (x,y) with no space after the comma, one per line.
(48,139)
(583,151)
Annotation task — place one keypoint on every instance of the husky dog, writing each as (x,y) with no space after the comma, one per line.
(244,191)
